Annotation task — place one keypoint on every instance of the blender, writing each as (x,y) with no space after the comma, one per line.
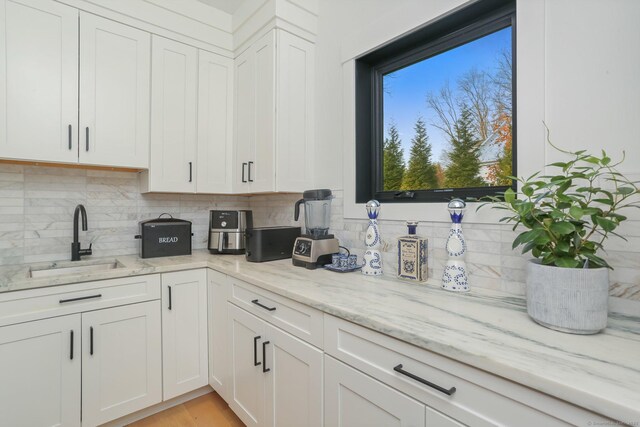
(315,247)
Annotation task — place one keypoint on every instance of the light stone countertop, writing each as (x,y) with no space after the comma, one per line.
(485,329)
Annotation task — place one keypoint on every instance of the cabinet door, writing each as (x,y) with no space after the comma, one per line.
(184,332)
(215,123)
(246,341)
(295,113)
(121,361)
(40,373)
(174,83)
(260,170)
(245,113)
(218,344)
(38,81)
(294,382)
(115,67)
(353,399)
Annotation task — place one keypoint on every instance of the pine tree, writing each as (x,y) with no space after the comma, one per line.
(393,161)
(463,169)
(421,172)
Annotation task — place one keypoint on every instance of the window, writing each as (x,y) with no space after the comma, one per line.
(435,110)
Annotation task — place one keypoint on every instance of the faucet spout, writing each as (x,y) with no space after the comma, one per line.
(76,252)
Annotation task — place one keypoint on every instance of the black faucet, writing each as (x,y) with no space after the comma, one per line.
(76,252)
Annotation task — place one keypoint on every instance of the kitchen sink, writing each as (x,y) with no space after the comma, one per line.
(61,269)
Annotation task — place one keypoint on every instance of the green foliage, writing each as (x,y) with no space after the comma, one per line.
(393,161)
(463,169)
(570,214)
(421,172)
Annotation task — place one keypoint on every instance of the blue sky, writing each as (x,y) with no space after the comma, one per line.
(405,90)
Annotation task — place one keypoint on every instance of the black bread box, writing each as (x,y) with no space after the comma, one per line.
(164,237)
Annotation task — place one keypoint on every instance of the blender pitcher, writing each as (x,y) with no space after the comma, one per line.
(317,213)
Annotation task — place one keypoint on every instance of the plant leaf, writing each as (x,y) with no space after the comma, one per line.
(563,227)
(567,262)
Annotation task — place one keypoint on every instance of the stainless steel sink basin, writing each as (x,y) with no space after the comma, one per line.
(61,269)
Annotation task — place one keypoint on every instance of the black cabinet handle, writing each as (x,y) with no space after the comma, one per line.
(448,392)
(91,340)
(244,165)
(190,171)
(255,301)
(62,301)
(71,345)
(249,174)
(255,351)
(87,137)
(170,305)
(264,357)
(69,132)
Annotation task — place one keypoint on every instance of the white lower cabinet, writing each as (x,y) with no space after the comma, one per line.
(246,335)
(184,332)
(276,379)
(121,361)
(40,365)
(219,367)
(294,381)
(353,399)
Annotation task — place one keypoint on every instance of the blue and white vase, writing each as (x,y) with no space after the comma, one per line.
(454,277)
(372,259)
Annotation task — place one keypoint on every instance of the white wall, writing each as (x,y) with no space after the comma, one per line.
(578,66)
(578,71)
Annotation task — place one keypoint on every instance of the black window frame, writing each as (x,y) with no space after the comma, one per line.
(454,29)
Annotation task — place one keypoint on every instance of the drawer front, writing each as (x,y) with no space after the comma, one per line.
(23,306)
(298,319)
(479,399)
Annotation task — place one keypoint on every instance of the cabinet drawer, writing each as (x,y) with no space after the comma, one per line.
(298,319)
(23,306)
(479,399)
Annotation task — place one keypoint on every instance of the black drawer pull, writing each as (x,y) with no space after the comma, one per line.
(244,165)
(249,174)
(255,301)
(190,171)
(448,392)
(62,301)
(87,138)
(91,340)
(70,139)
(264,357)
(170,305)
(255,351)
(71,346)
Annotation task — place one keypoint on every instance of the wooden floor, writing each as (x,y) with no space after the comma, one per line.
(205,411)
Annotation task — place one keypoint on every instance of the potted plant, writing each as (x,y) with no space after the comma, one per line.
(568,216)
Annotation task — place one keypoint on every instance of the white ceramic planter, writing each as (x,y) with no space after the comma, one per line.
(573,300)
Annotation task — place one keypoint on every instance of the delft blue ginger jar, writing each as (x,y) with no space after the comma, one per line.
(454,277)
(412,255)
(372,259)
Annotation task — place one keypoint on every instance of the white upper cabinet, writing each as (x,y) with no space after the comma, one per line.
(215,124)
(274,115)
(174,87)
(38,81)
(115,63)
(75,90)
(295,113)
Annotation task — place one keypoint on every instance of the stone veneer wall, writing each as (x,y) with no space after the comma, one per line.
(37,204)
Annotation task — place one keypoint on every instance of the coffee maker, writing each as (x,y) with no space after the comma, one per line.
(227,231)
(315,247)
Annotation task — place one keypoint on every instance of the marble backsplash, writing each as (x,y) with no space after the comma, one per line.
(37,204)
